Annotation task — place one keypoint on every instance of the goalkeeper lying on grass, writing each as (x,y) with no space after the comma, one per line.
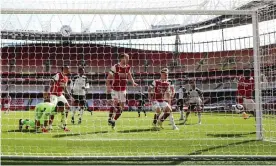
(44,115)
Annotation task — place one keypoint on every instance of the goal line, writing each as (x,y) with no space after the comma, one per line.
(145,158)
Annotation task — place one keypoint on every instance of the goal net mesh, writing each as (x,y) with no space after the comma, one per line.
(213,50)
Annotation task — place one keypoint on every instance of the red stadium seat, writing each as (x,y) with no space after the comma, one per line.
(101,63)
(156,62)
(71,56)
(134,62)
(94,63)
(107,63)
(45,56)
(138,69)
(74,63)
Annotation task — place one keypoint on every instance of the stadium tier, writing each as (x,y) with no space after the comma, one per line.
(216,72)
(99,58)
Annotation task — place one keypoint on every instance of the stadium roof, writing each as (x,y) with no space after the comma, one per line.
(191,24)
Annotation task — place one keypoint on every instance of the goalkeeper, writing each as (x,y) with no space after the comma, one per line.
(43,111)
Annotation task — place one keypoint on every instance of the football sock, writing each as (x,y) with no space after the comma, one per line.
(164,117)
(81,113)
(74,109)
(181,114)
(155,118)
(199,117)
(172,119)
(111,111)
(118,113)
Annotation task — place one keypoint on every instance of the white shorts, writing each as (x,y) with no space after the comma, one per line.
(7,105)
(119,95)
(162,105)
(195,100)
(55,99)
(249,104)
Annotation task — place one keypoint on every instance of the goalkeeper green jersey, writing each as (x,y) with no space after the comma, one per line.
(43,111)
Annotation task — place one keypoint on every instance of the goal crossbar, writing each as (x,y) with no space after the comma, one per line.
(145,11)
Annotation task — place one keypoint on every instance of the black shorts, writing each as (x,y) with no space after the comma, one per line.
(80,99)
(141,104)
(108,96)
(180,102)
(193,107)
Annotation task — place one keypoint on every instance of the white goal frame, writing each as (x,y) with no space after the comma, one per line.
(256,45)
(252,13)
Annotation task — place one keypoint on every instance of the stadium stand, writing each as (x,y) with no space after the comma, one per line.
(24,67)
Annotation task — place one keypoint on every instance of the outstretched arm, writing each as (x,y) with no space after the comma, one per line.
(130,78)
(151,90)
(108,82)
(150,93)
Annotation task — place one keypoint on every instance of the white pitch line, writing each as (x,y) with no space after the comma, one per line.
(267,140)
(124,139)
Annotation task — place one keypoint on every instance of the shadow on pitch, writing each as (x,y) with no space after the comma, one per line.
(23,131)
(236,135)
(199,152)
(78,134)
(139,130)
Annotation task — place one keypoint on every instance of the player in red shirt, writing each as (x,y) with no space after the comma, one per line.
(160,94)
(245,93)
(116,84)
(58,88)
(7,104)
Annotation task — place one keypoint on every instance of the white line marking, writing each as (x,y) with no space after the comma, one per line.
(268,140)
(124,139)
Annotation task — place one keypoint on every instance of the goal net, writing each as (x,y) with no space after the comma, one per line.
(227,50)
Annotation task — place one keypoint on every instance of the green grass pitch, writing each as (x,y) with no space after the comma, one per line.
(219,134)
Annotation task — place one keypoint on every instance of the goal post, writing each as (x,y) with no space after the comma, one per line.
(257,61)
(211,49)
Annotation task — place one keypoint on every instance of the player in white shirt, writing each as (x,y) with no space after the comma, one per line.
(264,82)
(180,102)
(79,86)
(195,103)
